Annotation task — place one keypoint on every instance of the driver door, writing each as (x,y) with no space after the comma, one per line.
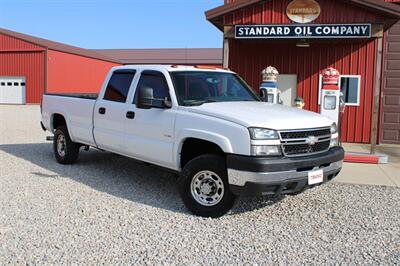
(149,136)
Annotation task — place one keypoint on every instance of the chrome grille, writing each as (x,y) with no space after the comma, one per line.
(305,142)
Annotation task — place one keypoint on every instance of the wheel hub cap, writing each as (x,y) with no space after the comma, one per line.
(61,143)
(207,188)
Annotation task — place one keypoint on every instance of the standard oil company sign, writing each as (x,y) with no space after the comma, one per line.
(317,31)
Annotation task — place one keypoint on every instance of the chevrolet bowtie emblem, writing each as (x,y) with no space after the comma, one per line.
(311,140)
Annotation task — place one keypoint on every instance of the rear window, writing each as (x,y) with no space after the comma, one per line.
(118,87)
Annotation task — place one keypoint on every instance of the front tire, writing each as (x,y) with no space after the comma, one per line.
(65,150)
(204,186)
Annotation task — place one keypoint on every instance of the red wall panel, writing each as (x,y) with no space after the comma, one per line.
(30,65)
(68,73)
(8,43)
(274,12)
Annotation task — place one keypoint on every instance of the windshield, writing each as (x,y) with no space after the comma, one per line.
(198,87)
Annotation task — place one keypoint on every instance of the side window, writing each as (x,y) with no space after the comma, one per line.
(118,87)
(156,81)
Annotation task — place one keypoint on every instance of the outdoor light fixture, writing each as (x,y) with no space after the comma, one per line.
(303,44)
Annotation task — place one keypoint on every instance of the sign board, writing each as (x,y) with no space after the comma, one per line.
(316,31)
(303,11)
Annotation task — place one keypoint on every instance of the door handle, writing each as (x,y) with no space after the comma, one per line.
(102,110)
(130,115)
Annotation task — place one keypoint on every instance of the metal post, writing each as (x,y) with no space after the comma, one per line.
(377,89)
(226,53)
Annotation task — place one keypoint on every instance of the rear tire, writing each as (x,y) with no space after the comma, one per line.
(65,150)
(204,186)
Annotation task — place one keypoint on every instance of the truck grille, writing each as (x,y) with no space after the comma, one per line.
(305,142)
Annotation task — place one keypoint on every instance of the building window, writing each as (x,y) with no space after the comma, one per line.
(16,83)
(3,84)
(22,83)
(118,87)
(349,86)
(9,83)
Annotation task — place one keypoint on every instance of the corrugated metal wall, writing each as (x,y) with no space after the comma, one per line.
(19,58)
(274,12)
(75,74)
(248,58)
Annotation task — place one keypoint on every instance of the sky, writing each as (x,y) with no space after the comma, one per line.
(107,24)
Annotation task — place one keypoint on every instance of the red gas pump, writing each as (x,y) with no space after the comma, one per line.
(332,104)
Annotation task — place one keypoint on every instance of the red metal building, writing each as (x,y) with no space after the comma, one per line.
(360,58)
(37,65)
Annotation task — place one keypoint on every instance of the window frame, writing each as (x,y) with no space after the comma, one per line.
(121,71)
(340,86)
(358,88)
(150,73)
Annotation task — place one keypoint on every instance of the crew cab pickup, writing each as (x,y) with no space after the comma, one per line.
(205,124)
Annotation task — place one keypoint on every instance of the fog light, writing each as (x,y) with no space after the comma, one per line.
(334,143)
(265,150)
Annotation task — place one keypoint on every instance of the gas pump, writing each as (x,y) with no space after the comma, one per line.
(330,102)
(269,87)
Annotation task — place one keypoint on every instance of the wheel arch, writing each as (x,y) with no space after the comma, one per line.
(196,143)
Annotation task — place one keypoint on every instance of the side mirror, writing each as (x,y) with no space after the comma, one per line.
(145,98)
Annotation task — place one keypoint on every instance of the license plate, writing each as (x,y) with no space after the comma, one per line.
(315,177)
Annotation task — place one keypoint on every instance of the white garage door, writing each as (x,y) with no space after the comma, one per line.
(12,90)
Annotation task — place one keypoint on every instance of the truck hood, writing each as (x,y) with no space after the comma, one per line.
(264,115)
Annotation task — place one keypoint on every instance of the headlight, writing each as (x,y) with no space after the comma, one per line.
(334,129)
(264,150)
(334,143)
(263,133)
(334,138)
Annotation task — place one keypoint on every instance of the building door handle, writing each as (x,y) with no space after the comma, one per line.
(130,115)
(102,110)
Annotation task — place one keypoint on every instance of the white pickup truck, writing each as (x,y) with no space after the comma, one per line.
(205,124)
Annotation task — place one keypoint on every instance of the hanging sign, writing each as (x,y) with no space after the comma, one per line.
(303,11)
(316,31)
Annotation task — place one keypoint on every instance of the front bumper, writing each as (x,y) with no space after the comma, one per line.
(269,176)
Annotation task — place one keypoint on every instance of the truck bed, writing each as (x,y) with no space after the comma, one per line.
(77,109)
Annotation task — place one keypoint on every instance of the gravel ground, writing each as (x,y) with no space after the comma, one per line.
(112,210)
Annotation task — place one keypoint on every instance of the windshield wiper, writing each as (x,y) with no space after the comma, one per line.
(199,102)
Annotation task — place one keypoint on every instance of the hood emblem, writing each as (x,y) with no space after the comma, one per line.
(311,140)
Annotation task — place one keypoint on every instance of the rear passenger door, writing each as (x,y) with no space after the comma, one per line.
(149,135)
(110,111)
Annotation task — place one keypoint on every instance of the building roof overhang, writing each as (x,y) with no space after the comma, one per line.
(56,46)
(389,10)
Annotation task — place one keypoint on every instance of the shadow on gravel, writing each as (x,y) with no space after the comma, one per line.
(118,176)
